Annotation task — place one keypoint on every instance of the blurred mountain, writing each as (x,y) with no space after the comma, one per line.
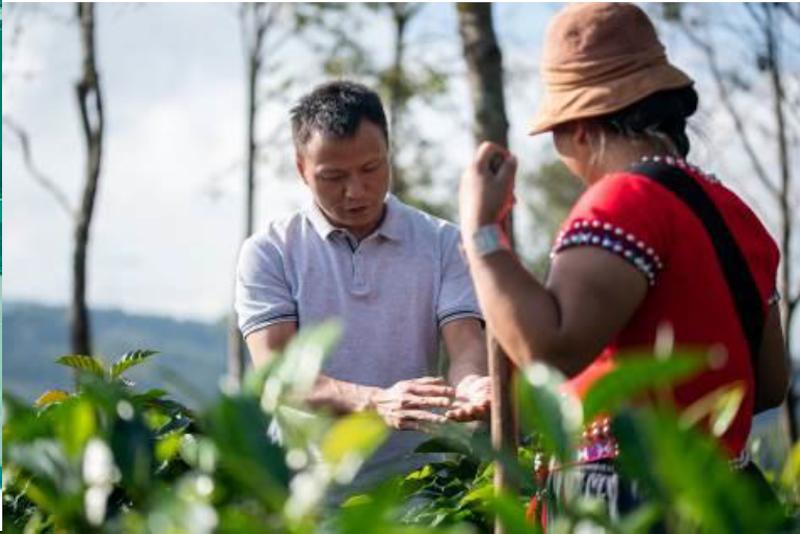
(189,366)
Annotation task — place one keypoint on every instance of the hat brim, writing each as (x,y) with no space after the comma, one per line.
(562,106)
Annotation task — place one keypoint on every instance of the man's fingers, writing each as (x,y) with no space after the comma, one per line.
(435,380)
(431,390)
(407,416)
(508,169)
(417,401)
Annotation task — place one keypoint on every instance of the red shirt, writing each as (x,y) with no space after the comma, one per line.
(647,225)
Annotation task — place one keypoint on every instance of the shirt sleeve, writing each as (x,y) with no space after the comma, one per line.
(263,295)
(457,298)
(627,215)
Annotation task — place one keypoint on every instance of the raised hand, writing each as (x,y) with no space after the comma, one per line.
(486,192)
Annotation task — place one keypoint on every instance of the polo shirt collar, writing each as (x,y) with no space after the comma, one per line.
(392,227)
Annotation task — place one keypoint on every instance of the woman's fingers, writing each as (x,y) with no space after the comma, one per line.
(487,155)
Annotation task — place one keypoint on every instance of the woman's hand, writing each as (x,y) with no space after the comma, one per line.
(473,396)
(486,194)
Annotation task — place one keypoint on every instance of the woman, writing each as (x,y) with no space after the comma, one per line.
(632,255)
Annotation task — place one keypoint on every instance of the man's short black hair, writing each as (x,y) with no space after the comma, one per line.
(337,109)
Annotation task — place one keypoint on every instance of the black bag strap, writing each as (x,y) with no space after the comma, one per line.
(737,273)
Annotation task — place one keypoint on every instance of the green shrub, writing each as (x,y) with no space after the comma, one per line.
(108,458)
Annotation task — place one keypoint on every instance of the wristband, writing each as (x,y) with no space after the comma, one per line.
(489,239)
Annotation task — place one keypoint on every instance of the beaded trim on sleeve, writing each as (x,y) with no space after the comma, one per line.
(615,239)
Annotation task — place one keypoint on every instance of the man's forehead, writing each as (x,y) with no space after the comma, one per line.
(332,146)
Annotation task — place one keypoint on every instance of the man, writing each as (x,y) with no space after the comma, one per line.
(392,274)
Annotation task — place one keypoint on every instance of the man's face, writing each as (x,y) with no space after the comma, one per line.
(349,177)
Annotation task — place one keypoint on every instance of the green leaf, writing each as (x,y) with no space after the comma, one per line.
(75,423)
(51,396)
(238,427)
(356,434)
(299,428)
(720,406)
(642,520)
(634,374)
(150,394)
(546,409)
(481,493)
(687,469)
(168,447)
(58,481)
(130,359)
(790,475)
(133,445)
(296,370)
(511,513)
(83,363)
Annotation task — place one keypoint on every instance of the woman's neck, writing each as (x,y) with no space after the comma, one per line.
(621,154)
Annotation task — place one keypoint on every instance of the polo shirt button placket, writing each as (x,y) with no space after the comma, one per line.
(358,270)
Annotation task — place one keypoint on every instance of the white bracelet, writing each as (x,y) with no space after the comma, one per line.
(489,239)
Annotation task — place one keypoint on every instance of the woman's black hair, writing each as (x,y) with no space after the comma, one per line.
(663,113)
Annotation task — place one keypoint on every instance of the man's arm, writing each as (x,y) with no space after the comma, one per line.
(466,346)
(405,405)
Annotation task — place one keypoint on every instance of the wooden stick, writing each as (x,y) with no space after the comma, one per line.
(503,412)
(504,421)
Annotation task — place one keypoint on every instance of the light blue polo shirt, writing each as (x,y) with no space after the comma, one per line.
(392,292)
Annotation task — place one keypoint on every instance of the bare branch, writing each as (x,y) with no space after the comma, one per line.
(727,103)
(48,184)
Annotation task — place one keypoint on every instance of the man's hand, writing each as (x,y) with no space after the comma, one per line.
(407,404)
(472,399)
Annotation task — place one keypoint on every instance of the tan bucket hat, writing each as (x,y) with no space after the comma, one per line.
(599,58)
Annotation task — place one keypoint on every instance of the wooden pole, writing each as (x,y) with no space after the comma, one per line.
(504,429)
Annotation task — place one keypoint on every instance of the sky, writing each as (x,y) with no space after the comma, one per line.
(169,217)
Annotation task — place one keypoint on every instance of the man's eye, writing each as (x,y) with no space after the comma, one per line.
(332,177)
(372,167)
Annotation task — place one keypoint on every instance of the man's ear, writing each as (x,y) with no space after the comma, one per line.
(299,163)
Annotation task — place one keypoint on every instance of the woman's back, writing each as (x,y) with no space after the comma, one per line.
(640,220)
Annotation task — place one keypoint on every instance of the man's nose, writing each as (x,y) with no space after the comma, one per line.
(355,188)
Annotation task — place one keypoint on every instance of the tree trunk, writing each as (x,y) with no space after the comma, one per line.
(778,97)
(397,93)
(484,71)
(236,353)
(485,74)
(90,102)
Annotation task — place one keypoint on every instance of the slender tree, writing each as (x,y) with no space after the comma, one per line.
(265,28)
(90,102)
(256,20)
(485,74)
(397,85)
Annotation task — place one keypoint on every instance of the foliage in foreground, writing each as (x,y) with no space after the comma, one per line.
(109,458)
